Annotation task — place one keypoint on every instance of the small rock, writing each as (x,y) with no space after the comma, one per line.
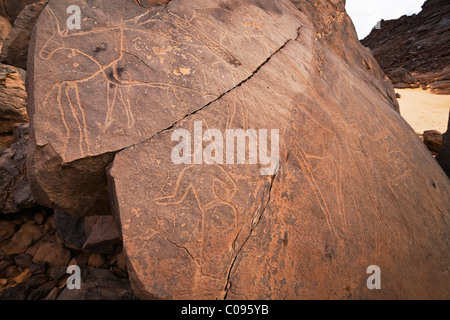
(49,225)
(23,260)
(7,229)
(54,253)
(104,235)
(96,261)
(15,293)
(53,295)
(13,97)
(20,130)
(24,238)
(36,280)
(398,95)
(38,267)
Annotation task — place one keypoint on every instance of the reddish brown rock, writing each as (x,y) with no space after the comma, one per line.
(13,97)
(127,75)
(433,140)
(7,230)
(443,157)
(15,192)
(5,28)
(351,189)
(22,239)
(15,47)
(53,253)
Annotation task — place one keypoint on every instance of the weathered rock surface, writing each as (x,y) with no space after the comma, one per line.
(443,156)
(15,191)
(420,44)
(15,47)
(94,234)
(5,28)
(129,74)
(40,273)
(13,97)
(24,238)
(55,254)
(433,140)
(351,187)
(99,285)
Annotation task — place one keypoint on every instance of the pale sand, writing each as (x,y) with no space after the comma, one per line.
(423,110)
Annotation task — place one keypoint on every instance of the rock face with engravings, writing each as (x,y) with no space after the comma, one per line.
(130,114)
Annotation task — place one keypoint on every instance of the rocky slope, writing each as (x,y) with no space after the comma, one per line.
(415,50)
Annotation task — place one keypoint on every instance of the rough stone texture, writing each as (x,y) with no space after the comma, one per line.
(99,285)
(443,156)
(15,191)
(70,229)
(131,73)
(5,28)
(433,140)
(7,230)
(418,43)
(353,184)
(13,97)
(24,238)
(15,47)
(55,254)
(354,180)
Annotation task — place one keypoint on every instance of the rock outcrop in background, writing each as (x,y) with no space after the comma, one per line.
(415,50)
(354,186)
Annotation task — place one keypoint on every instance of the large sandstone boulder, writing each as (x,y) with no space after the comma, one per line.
(349,186)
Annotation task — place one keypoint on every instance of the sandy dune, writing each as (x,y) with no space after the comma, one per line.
(423,110)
